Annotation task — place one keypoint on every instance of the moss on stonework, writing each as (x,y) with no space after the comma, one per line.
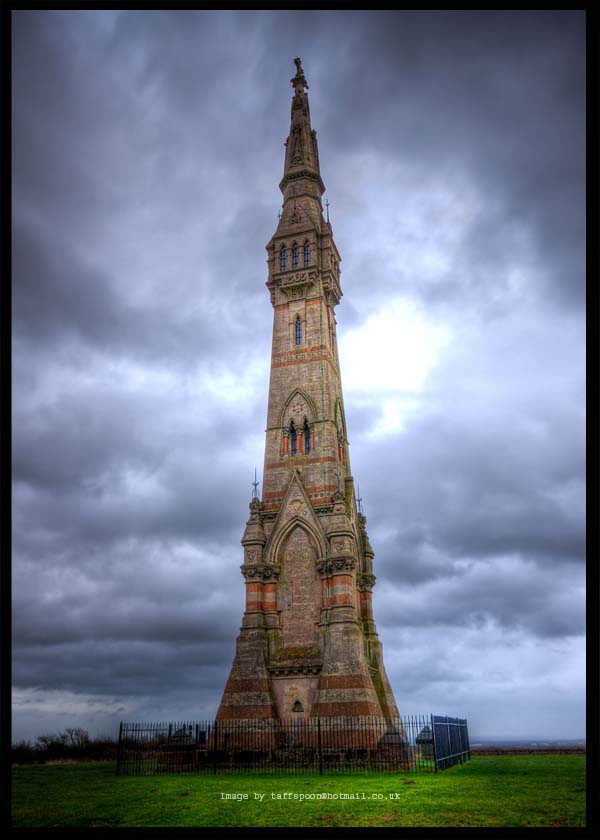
(380,692)
(303,652)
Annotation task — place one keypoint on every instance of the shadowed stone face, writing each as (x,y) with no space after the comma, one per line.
(299,597)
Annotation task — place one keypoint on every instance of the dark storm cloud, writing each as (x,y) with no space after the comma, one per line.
(497,96)
(147,149)
(57,297)
(87,166)
(508,594)
(167,614)
(129,668)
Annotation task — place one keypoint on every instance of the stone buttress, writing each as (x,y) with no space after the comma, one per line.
(308,644)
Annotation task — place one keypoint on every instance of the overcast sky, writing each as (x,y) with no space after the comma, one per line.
(147,152)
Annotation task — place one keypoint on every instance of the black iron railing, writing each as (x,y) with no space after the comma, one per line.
(413,743)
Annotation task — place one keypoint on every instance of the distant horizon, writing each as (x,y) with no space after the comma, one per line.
(474,738)
(113,731)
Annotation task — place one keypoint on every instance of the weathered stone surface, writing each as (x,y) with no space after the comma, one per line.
(308,643)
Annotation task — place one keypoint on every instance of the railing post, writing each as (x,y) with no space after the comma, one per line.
(215,745)
(435,754)
(319,746)
(119,747)
(467,740)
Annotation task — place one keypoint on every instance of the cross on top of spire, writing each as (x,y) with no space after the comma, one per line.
(299,79)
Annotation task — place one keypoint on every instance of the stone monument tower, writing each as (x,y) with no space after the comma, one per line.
(308,645)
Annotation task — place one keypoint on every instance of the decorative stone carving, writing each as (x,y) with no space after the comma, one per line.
(302,660)
(299,407)
(295,285)
(294,670)
(266,571)
(365,581)
(296,507)
(337,565)
(344,564)
(296,279)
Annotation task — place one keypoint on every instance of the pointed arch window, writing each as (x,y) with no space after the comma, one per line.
(297,707)
(295,255)
(307,440)
(306,252)
(293,439)
(282,258)
(298,330)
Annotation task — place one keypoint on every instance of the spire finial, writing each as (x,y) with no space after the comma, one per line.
(299,78)
(255,484)
(301,151)
(359,500)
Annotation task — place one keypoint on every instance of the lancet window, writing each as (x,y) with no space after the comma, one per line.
(298,426)
(282,258)
(295,255)
(306,252)
(298,330)
(307,440)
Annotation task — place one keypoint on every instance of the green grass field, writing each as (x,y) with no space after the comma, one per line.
(530,790)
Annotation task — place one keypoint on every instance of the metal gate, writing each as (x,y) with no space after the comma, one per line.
(450,741)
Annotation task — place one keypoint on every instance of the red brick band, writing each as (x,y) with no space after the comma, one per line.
(322,498)
(301,349)
(244,712)
(310,302)
(246,684)
(305,460)
(345,681)
(348,709)
(318,488)
(313,359)
(270,597)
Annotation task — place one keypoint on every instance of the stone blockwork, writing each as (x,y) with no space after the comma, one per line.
(308,644)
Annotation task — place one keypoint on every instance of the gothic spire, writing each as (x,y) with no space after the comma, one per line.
(302,153)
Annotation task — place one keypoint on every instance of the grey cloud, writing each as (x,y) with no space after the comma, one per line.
(125,670)
(509,593)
